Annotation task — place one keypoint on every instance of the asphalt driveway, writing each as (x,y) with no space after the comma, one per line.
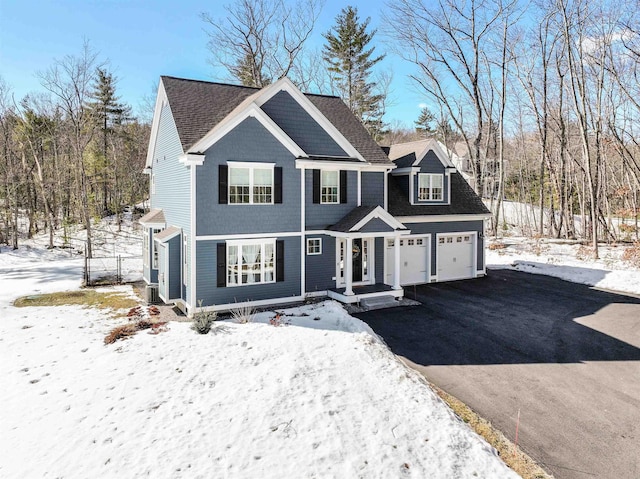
(566,355)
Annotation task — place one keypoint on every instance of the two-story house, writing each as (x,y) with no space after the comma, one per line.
(263,196)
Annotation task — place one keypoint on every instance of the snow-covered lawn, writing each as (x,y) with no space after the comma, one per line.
(566,260)
(318,397)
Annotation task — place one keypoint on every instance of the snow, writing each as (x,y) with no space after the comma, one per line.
(318,396)
(568,261)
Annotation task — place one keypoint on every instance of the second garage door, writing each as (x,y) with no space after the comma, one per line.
(455,256)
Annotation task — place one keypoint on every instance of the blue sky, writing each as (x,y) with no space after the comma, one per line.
(143,39)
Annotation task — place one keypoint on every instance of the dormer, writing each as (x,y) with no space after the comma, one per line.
(424,171)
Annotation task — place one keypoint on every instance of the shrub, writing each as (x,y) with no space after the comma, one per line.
(632,254)
(128,330)
(203,321)
(497,246)
(243,314)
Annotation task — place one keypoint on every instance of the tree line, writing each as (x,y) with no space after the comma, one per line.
(542,97)
(71,153)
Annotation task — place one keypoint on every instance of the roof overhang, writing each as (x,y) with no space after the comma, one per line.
(154,218)
(310,164)
(161,101)
(442,218)
(381,214)
(439,152)
(167,234)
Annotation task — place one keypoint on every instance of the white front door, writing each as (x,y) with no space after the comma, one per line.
(361,260)
(414,260)
(456,256)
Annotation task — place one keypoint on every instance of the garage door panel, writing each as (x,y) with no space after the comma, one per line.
(455,256)
(414,261)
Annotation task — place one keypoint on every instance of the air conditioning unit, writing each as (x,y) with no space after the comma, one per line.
(151,295)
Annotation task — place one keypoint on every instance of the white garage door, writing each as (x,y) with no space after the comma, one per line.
(455,254)
(414,261)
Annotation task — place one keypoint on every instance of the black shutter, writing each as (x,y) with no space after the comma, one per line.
(316,186)
(221,260)
(280,260)
(222,184)
(343,186)
(277,184)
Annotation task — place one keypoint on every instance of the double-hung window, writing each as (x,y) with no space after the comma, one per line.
(429,187)
(250,184)
(329,187)
(251,262)
(154,265)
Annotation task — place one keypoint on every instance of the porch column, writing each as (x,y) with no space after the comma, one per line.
(396,263)
(348,266)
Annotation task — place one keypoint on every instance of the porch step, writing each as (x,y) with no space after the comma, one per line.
(378,302)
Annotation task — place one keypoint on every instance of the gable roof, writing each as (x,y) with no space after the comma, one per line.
(464,200)
(153,217)
(167,233)
(199,106)
(361,215)
(413,152)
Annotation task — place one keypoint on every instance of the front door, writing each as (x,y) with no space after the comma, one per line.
(360,254)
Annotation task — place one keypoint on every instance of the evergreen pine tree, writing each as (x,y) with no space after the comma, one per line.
(424,122)
(108,113)
(350,61)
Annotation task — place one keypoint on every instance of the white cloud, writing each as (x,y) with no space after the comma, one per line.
(422,105)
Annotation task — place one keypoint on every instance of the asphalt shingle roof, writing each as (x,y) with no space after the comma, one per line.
(153,216)
(352,218)
(464,200)
(197,106)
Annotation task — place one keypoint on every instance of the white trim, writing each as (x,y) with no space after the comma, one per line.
(359,187)
(315,294)
(341,165)
(171,236)
(442,218)
(153,225)
(249,236)
(320,245)
(250,164)
(379,212)
(239,244)
(439,152)
(303,256)
(411,188)
(474,259)
(397,293)
(262,302)
(405,170)
(191,159)
(252,167)
(234,119)
(431,200)
(429,256)
(284,84)
(192,233)
(338,188)
(386,191)
(355,234)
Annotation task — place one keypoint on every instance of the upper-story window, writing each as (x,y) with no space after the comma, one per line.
(430,186)
(250,185)
(329,187)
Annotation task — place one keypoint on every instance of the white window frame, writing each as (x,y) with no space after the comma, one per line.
(252,167)
(322,187)
(145,248)
(153,184)
(429,177)
(263,269)
(154,232)
(311,248)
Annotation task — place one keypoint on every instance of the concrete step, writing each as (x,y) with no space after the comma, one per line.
(378,302)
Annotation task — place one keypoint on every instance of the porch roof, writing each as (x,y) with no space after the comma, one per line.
(369,219)
(153,217)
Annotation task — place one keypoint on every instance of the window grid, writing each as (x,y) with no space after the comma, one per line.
(250,185)
(329,187)
(314,246)
(155,248)
(250,263)
(429,187)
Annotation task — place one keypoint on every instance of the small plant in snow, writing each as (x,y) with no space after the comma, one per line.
(203,320)
(243,314)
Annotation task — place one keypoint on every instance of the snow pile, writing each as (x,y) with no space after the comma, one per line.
(247,400)
(566,260)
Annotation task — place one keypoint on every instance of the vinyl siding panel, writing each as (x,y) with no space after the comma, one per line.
(300,126)
(146,262)
(372,192)
(248,142)
(449,227)
(379,259)
(210,294)
(174,246)
(321,269)
(319,216)
(376,225)
(163,280)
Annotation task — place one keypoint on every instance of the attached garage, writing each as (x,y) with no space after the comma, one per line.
(456,256)
(414,260)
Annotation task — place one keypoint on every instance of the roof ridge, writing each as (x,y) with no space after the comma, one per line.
(210,82)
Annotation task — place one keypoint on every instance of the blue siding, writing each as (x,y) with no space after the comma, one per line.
(320,216)
(174,246)
(376,225)
(449,227)
(431,164)
(163,279)
(248,142)
(379,259)
(372,192)
(321,269)
(210,294)
(172,179)
(146,262)
(300,126)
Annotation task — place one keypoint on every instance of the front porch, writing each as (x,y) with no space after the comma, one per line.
(363,292)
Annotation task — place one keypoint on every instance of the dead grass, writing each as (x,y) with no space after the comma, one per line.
(632,254)
(497,246)
(129,329)
(85,297)
(513,457)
